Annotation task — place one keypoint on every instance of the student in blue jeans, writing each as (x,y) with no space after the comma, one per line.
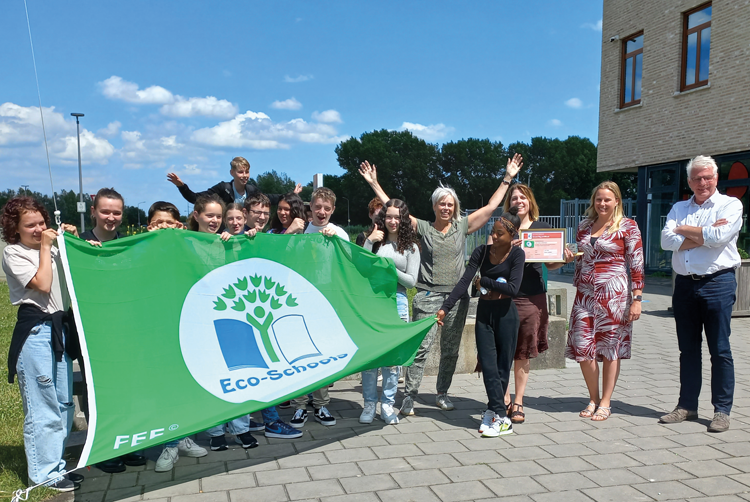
(393,237)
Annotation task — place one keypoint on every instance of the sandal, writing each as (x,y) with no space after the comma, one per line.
(508,409)
(589,410)
(602,414)
(517,416)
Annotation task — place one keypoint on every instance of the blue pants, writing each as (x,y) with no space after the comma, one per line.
(705,305)
(46,392)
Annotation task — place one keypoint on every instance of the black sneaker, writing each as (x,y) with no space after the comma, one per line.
(323,417)
(285,405)
(299,419)
(74,477)
(219,443)
(64,485)
(134,459)
(112,466)
(248,441)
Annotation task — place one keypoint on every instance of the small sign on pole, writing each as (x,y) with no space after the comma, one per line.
(81,207)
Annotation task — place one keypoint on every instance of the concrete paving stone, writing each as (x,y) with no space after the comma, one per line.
(228,482)
(566,480)
(571,426)
(394,451)
(567,464)
(359,484)
(569,437)
(274,493)
(79,496)
(651,430)
(706,468)
(417,494)
(270,451)
(507,487)
(566,496)
(613,477)
(190,472)
(664,472)
(251,465)
(479,457)
(124,480)
(610,434)
(442,447)
(316,446)
(468,423)
(667,490)
(619,494)
(653,457)
(450,435)
(433,461)
(611,447)
(282,476)
(469,473)
(532,428)
(568,450)
(519,468)
(352,497)
(527,453)
(611,461)
(704,452)
(456,492)
(696,439)
(418,427)
(722,498)
(335,432)
(425,477)
(653,443)
(415,438)
(480,443)
(615,421)
(384,466)
(350,455)
(734,449)
(734,435)
(688,426)
(742,478)
(314,489)
(522,440)
(302,460)
(233,453)
(98,484)
(739,463)
(718,485)
(201,497)
(333,471)
(171,489)
(366,441)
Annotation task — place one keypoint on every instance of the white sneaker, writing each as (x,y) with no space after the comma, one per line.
(442,402)
(500,426)
(487,418)
(368,413)
(167,459)
(188,448)
(388,414)
(407,406)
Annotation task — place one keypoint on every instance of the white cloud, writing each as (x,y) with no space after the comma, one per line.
(597,26)
(429,133)
(111,130)
(328,117)
(21,134)
(117,88)
(138,150)
(257,130)
(287,104)
(555,123)
(297,79)
(205,107)
(574,103)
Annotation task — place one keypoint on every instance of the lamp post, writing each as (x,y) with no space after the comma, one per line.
(81,204)
(138,210)
(348,221)
(25,189)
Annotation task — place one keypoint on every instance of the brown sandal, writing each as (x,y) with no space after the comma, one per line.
(589,410)
(508,409)
(517,416)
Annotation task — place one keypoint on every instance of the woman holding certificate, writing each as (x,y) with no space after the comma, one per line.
(531,302)
(601,321)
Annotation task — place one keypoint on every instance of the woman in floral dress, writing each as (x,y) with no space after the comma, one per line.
(601,321)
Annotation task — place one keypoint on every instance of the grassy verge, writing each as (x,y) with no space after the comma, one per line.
(12,457)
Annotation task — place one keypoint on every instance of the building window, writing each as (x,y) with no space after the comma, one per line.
(631,70)
(696,47)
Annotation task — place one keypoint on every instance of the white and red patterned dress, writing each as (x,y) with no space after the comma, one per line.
(605,276)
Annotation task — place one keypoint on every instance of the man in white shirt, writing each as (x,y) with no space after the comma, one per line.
(702,235)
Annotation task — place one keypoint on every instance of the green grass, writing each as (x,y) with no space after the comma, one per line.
(12,457)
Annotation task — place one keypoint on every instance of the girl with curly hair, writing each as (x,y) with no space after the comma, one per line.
(393,237)
(290,215)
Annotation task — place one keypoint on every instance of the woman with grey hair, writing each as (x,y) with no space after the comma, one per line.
(441,266)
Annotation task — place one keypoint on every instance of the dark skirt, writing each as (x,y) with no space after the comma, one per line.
(532,332)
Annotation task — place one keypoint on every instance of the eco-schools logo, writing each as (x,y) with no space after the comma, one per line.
(255,329)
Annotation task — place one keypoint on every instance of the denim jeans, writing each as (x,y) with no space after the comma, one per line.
(270,415)
(236,427)
(705,305)
(46,391)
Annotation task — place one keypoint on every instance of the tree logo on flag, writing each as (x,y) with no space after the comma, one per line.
(256,329)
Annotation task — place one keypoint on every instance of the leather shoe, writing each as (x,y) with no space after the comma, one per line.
(112,466)
(134,459)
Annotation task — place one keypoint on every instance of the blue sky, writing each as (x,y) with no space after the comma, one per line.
(186,86)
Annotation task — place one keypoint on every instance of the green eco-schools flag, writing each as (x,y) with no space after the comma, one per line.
(181,331)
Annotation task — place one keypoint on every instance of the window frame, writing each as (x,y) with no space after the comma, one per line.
(685,34)
(624,56)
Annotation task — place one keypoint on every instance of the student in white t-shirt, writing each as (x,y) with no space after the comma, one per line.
(323,204)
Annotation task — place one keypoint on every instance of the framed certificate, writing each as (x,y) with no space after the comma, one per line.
(544,245)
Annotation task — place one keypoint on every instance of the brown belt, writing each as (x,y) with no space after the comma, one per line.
(494,295)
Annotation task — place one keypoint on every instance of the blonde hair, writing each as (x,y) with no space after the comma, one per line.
(325,194)
(526,191)
(444,191)
(617,217)
(238,162)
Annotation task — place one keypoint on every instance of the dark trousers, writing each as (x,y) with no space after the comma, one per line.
(496,332)
(705,305)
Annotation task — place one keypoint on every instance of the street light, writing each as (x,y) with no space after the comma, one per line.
(81,204)
(348,221)
(25,189)
(138,210)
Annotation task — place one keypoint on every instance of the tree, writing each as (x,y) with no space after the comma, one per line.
(408,169)
(273,182)
(474,169)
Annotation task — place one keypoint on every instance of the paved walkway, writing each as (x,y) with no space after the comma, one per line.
(439,456)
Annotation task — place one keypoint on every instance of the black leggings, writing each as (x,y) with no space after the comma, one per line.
(496,333)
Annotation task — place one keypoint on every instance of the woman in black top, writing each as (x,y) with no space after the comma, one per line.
(531,302)
(501,266)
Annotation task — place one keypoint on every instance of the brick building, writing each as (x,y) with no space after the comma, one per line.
(675,83)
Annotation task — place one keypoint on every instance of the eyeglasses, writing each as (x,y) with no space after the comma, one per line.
(260,213)
(706,179)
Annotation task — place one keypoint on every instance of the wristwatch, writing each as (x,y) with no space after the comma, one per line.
(638,298)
